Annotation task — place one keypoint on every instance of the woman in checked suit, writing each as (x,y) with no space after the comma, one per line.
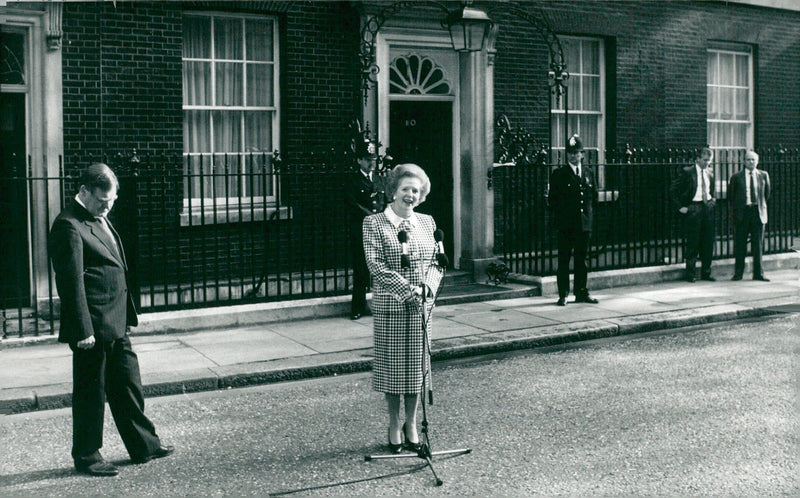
(397,292)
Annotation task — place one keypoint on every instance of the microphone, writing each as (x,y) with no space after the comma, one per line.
(441,257)
(402,236)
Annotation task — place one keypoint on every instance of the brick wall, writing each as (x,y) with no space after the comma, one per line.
(660,97)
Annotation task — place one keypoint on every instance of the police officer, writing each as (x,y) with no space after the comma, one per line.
(572,194)
(365,195)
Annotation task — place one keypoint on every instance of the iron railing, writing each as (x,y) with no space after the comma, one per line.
(249,228)
(635,223)
(216,230)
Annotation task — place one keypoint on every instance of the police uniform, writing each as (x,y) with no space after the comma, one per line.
(571,199)
(365,196)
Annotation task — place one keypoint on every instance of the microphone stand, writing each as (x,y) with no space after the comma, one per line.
(425,451)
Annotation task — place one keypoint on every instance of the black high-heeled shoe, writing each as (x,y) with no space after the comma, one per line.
(395,448)
(408,445)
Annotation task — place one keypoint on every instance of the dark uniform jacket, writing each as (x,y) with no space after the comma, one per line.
(364,197)
(91,278)
(571,199)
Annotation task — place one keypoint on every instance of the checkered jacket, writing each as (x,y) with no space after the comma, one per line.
(398,335)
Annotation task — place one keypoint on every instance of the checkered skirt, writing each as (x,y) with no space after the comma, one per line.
(398,335)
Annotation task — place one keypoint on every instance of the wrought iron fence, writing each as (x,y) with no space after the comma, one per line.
(216,230)
(636,222)
(222,230)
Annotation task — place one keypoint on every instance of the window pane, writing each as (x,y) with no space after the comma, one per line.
(196,131)
(726,103)
(713,134)
(229,84)
(574,89)
(196,83)
(713,68)
(713,102)
(591,56)
(588,130)
(12,58)
(591,93)
(259,85)
(258,130)
(740,135)
(196,37)
(742,104)
(726,133)
(558,130)
(227,131)
(726,69)
(258,171)
(228,39)
(259,40)
(742,70)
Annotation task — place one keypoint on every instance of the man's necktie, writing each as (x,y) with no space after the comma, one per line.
(752,176)
(703,185)
(578,170)
(107,229)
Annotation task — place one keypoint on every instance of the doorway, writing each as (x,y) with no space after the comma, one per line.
(421,132)
(14,264)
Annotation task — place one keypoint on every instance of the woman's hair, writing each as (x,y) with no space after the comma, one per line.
(99,176)
(408,170)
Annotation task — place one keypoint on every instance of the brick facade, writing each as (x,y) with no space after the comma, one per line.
(657,89)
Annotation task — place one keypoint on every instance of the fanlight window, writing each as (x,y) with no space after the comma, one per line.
(415,75)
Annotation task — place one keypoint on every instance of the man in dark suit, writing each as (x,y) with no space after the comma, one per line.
(693,193)
(571,197)
(96,309)
(748,193)
(365,195)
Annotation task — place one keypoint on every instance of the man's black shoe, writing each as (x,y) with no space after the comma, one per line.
(355,316)
(586,299)
(160,452)
(691,279)
(562,301)
(709,278)
(762,278)
(737,277)
(97,469)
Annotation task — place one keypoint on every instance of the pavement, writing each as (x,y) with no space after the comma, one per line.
(230,352)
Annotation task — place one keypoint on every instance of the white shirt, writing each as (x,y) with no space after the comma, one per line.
(576,168)
(103,223)
(698,195)
(750,176)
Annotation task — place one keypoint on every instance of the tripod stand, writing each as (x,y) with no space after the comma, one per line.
(425,451)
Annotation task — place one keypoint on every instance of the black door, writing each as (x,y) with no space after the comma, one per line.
(14,282)
(422,133)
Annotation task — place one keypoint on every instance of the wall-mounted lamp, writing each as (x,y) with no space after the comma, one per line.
(469,28)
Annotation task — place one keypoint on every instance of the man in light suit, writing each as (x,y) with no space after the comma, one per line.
(571,196)
(693,193)
(96,309)
(748,193)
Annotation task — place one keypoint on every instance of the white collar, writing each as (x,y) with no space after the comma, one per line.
(395,219)
(79,201)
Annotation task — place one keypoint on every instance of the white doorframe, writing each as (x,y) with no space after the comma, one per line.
(390,40)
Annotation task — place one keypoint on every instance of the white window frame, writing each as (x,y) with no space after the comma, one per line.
(734,50)
(573,67)
(220,209)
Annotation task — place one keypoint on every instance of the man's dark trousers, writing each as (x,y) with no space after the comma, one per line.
(109,371)
(699,230)
(749,225)
(569,242)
